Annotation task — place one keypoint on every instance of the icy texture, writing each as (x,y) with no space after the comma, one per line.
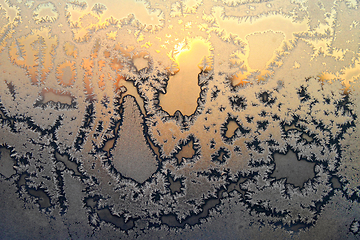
(185,119)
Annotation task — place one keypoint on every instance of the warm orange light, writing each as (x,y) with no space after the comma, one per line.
(240,79)
(183,89)
(66,73)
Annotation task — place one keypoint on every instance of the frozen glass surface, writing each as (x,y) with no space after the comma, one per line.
(193,119)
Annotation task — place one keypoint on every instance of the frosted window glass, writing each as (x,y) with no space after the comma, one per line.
(191,119)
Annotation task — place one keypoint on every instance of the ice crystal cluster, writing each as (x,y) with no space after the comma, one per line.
(201,119)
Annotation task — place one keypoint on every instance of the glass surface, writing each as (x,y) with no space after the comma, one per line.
(193,119)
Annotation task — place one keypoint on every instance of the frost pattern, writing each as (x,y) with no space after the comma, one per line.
(87,145)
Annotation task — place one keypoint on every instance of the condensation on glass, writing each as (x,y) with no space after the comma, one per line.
(198,119)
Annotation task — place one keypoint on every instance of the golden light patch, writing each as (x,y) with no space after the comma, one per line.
(66,73)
